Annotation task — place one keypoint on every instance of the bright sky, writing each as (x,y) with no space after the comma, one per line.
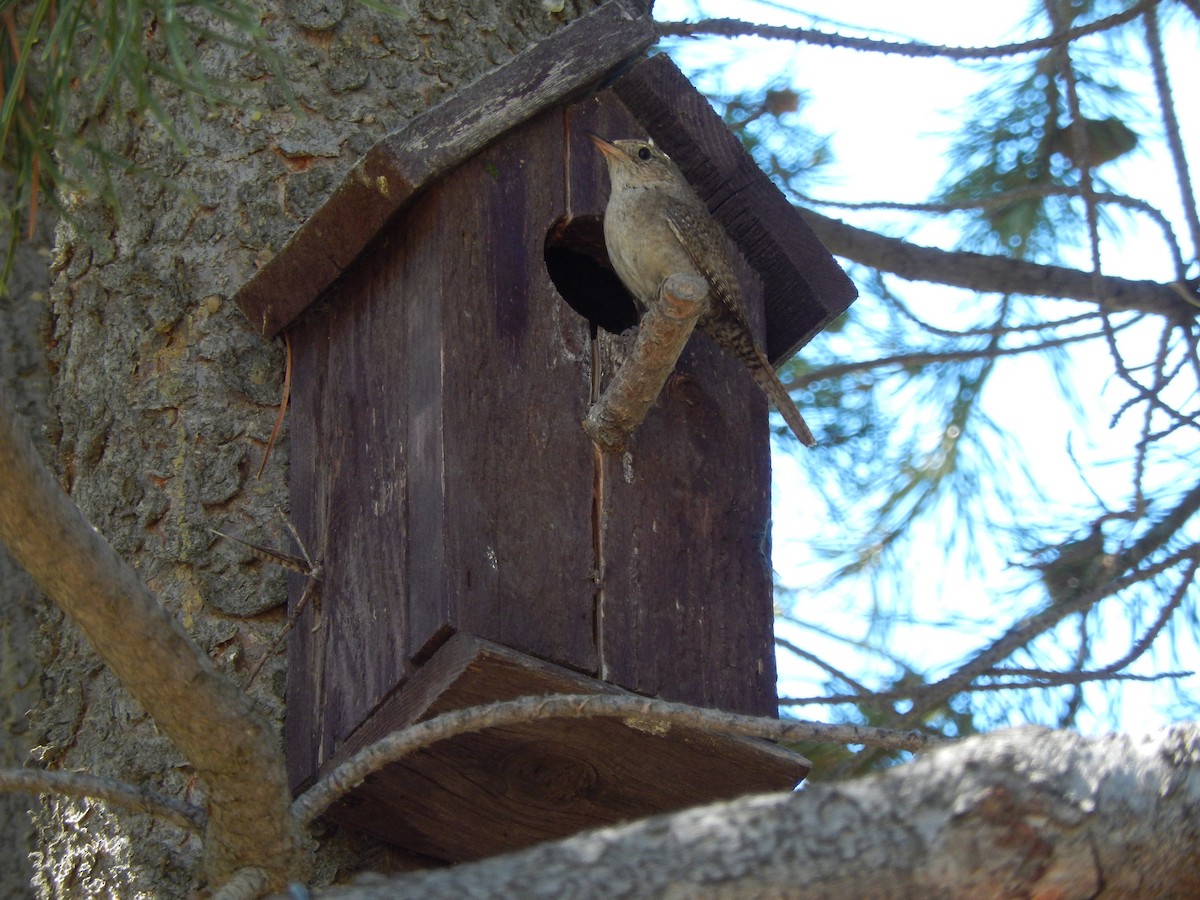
(889,118)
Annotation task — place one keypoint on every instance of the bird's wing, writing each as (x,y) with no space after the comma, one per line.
(693,230)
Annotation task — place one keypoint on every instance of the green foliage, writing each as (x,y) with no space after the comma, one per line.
(915,475)
(1018,158)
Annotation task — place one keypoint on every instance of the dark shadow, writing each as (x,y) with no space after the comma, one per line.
(578,265)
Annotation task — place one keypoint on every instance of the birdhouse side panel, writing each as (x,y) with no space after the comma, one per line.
(359,445)
(687,610)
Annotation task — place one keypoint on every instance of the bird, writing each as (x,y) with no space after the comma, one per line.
(656,226)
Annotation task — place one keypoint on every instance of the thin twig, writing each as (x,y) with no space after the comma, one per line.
(283,403)
(118,793)
(529,709)
(904,360)
(737,28)
(821,664)
(303,565)
(1162,86)
(1021,633)
(1044,679)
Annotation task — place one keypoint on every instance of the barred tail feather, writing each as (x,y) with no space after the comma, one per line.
(732,334)
(765,375)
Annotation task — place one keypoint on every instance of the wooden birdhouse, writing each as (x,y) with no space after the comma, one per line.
(452,316)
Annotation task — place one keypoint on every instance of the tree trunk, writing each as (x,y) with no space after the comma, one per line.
(24,378)
(163,395)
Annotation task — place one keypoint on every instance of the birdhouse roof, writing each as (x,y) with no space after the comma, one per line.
(804,288)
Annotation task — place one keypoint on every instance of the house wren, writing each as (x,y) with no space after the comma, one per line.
(655,226)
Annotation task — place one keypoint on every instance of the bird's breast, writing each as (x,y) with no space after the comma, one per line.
(643,250)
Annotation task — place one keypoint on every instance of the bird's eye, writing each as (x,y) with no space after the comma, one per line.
(644,153)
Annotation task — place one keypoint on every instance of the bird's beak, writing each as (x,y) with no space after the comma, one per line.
(609,149)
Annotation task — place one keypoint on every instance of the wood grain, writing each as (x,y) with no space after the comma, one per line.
(486,793)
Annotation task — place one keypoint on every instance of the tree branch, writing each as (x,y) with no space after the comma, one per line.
(738,28)
(214,724)
(1024,631)
(579,706)
(863,691)
(661,336)
(118,793)
(925,358)
(999,274)
(1005,198)
(1028,812)
(1162,86)
(1042,679)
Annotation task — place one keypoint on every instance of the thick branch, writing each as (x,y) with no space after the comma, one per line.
(999,274)
(209,719)
(1023,813)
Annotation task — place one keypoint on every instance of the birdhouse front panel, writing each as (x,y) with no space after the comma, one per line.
(439,466)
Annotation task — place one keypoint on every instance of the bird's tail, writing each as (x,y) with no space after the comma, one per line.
(739,342)
(764,374)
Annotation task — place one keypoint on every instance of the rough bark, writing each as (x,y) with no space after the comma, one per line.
(164,395)
(207,716)
(24,379)
(1023,813)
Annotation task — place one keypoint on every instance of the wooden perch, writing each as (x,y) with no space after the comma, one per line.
(662,334)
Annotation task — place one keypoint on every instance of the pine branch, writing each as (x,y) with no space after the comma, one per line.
(573,706)
(738,28)
(1005,198)
(1162,86)
(1045,679)
(1019,635)
(905,360)
(999,274)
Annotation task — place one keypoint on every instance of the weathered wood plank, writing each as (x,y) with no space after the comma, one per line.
(685,608)
(441,466)
(517,469)
(805,288)
(482,794)
(385,180)
(351,480)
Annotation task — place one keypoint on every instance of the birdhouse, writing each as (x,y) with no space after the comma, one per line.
(452,316)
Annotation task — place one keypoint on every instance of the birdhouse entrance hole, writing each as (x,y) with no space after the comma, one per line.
(578,265)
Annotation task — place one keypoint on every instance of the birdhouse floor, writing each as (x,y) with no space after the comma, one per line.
(489,792)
